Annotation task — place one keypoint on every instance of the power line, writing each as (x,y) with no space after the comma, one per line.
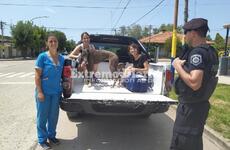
(148,12)
(121,14)
(70,28)
(59,6)
(156,13)
(113,13)
(117,6)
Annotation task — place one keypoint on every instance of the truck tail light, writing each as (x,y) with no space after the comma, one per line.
(66,78)
(168,85)
(67,72)
(67,68)
(168,75)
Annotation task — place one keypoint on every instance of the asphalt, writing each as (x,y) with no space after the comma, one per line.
(216,137)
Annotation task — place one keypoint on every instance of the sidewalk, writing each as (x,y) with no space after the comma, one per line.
(224,80)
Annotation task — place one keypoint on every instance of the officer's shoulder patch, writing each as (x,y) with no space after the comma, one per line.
(196,59)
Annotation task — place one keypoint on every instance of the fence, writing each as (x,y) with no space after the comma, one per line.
(224,68)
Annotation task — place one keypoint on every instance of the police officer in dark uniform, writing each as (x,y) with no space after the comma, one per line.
(197,68)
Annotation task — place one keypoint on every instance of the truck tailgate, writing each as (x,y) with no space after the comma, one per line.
(105,92)
(132,97)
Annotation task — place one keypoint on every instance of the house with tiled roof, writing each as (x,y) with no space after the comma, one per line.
(160,39)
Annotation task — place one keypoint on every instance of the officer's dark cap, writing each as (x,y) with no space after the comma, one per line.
(195,24)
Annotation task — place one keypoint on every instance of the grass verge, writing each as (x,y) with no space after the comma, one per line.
(219,114)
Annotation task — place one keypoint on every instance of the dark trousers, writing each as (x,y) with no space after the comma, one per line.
(189,126)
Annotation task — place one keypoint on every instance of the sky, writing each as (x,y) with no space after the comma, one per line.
(102,16)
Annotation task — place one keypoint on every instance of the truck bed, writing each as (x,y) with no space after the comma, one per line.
(103,91)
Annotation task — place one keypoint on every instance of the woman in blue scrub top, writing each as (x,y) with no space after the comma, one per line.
(48,71)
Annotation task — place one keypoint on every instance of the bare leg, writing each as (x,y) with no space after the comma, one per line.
(95,67)
(113,63)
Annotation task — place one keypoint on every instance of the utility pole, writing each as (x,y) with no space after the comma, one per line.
(115,31)
(2,29)
(174,38)
(185,17)
(150,33)
(2,32)
(227,26)
(186,11)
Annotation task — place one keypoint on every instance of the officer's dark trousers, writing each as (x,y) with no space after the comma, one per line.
(189,126)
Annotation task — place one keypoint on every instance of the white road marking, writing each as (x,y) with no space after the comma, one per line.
(2,75)
(13,83)
(27,74)
(16,74)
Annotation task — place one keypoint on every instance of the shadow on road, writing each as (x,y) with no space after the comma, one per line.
(120,133)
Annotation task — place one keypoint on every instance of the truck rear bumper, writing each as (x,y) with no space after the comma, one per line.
(98,107)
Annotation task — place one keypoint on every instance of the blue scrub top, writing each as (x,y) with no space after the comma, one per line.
(51,73)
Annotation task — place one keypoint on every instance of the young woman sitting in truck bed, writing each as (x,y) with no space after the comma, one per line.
(139,61)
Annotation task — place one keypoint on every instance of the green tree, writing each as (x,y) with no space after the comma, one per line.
(209,38)
(146,31)
(156,30)
(138,31)
(123,31)
(168,46)
(70,45)
(169,27)
(219,42)
(39,38)
(135,31)
(22,34)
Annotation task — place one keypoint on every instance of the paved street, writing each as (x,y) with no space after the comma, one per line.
(18,126)
(17,117)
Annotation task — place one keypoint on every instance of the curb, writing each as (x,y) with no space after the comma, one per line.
(217,138)
(214,136)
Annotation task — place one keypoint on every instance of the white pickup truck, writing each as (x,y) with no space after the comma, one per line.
(103,99)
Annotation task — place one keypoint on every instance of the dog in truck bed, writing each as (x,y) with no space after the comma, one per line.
(120,70)
(96,56)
